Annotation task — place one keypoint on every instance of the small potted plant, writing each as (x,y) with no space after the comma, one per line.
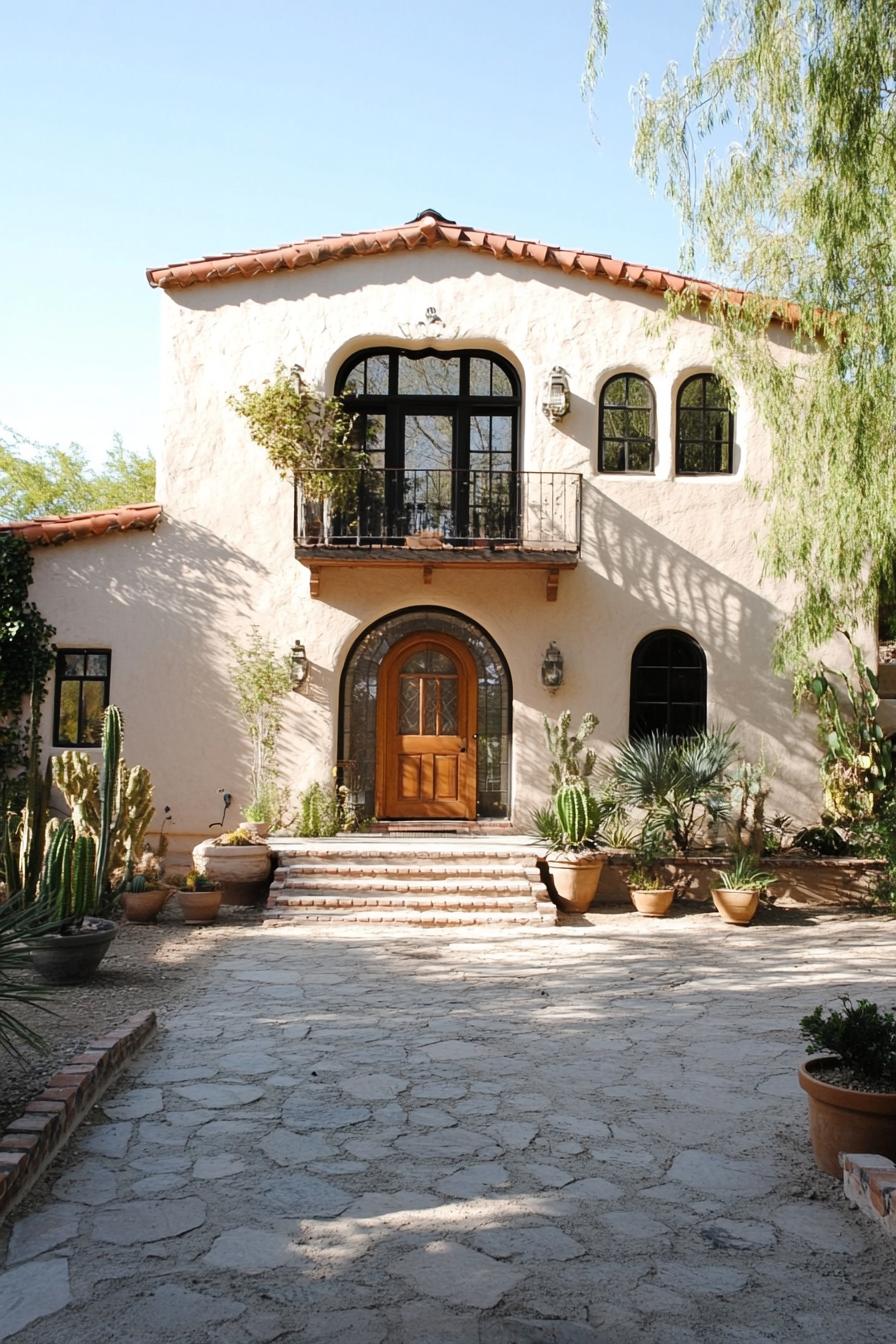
(143,898)
(645,886)
(574,859)
(737,900)
(199,898)
(239,862)
(852,1086)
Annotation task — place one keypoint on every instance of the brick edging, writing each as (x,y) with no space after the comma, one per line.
(869,1182)
(49,1120)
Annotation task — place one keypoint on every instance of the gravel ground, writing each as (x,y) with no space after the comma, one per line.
(147,966)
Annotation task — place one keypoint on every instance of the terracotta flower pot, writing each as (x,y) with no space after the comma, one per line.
(576,878)
(735,907)
(653,903)
(199,907)
(842,1120)
(142,907)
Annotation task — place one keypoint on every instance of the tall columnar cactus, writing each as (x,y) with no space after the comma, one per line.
(567,759)
(77,778)
(67,876)
(110,799)
(135,814)
(577,813)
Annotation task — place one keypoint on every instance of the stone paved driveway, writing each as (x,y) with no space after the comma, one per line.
(365,1137)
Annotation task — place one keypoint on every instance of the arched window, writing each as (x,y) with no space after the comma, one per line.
(704,431)
(668,688)
(441,429)
(626,425)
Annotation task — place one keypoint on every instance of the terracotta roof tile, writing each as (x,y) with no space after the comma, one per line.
(53,530)
(430,230)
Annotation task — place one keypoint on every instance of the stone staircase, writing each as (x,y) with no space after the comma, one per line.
(425,880)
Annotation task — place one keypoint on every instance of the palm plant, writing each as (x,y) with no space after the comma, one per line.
(677,783)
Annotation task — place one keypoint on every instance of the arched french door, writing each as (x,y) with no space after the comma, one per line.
(399,682)
(426,730)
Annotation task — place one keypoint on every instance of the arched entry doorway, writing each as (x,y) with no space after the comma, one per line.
(418,670)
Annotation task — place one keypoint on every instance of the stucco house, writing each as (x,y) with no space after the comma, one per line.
(552,482)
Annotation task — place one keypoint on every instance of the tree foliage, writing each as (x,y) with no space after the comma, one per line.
(38,479)
(798,207)
(26,655)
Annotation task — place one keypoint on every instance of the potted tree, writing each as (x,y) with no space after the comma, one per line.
(737,899)
(648,894)
(852,1085)
(262,681)
(309,438)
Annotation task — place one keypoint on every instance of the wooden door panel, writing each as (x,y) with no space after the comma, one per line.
(426,721)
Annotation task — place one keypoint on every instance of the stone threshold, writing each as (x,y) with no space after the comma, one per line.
(32,1142)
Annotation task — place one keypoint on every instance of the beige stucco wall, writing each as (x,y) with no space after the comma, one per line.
(656,552)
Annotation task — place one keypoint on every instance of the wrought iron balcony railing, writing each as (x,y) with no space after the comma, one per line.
(371,506)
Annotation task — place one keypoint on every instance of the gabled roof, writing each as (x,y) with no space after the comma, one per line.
(56,528)
(429,230)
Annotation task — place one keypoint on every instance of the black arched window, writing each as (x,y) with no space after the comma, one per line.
(704,431)
(626,425)
(668,687)
(441,429)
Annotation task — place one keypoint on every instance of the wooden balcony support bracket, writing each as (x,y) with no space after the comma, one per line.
(427,574)
(313,581)
(552,584)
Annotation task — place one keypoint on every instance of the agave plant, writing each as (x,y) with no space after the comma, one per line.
(19,919)
(677,783)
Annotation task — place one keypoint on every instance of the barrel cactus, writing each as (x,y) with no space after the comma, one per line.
(576,810)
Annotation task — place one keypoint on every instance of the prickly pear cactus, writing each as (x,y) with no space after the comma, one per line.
(567,759)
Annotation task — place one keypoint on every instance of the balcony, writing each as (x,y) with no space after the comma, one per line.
(433,519)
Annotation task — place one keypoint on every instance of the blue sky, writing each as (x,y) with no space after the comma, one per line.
(136,134)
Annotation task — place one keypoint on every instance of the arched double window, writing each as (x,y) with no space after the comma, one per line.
(441,430)
(668,686)
(626,425)
(704,427)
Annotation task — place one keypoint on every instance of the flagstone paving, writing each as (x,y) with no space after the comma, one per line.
(361,1136)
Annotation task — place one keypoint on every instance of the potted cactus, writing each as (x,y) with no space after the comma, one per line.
(143,899)
(574,860)
(199,898)
(74,881)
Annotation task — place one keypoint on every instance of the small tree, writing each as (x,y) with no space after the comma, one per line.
(309,437)
(261,679)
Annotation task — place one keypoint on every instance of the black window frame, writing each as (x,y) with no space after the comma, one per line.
(602,438)
(688,722)
(710,446)
(61,655)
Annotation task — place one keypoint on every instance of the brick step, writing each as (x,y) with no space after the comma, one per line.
(405,870)
(408,900)
(419,883)
(405,916)
(403,853)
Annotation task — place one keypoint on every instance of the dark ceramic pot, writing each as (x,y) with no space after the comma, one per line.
(64,958)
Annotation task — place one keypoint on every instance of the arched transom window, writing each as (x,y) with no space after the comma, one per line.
(668,687)
(626,433)
(441,429)
(704,427)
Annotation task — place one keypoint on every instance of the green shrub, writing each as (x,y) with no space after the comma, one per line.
(861,1036)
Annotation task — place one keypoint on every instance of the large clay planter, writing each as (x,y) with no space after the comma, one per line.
(199,907)
(142,907)
(842,1120)
(735,907)
(64,959)
(260,828)
(653,904)
(576,880)
(243,871)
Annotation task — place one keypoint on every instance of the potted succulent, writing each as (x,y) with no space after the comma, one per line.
(648,894)
(143,898)
(852,1086)
(239,862)
(199,898)
(574,859)
(737,900)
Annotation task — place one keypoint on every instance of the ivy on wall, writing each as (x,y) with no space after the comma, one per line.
(26,655)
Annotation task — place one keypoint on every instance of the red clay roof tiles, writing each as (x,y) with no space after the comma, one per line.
(428,230)
(55,529)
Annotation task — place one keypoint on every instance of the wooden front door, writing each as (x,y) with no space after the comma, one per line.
(426,724)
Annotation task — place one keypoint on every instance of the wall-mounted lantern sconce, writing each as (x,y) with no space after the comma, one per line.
(556,395)
(552,668)
(298,665)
